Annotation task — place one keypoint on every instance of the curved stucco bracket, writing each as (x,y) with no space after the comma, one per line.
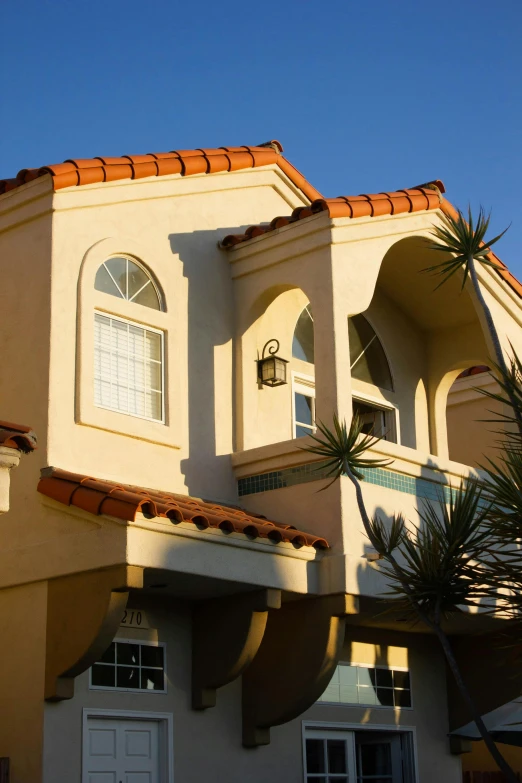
(295,662)
(226,635)
(84,612)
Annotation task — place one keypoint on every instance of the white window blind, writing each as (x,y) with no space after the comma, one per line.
(128,368)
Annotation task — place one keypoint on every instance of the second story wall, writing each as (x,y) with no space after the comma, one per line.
(171,228)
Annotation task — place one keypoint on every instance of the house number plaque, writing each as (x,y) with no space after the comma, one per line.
(134,618)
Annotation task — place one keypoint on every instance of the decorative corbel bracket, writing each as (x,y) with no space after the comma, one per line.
(297,657)
(84,612)
(226,634)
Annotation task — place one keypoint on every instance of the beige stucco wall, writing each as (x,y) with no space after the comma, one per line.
(474,420)
(216,733)
(22,668)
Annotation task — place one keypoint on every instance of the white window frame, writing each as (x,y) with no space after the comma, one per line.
(166,738)
(137,325)
(351,705)
(385,405)
(170,432)
(302,384)
(337,730)
(141,642)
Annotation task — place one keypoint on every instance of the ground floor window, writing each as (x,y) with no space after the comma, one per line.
(130,666)
(369,685)
(352,756)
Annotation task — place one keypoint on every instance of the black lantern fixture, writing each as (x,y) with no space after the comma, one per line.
(271,370)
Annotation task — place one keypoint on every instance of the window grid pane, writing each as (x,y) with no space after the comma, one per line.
(120,276)
(130,666)
(128,368)
(368,685)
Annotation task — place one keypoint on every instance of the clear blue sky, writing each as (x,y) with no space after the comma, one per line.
(364,96)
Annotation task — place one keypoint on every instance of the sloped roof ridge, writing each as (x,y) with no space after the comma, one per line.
(87,171)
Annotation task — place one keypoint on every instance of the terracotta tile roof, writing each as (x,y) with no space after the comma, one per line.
(17,436)
(98,496)
(366,205)
(422,197)
(156,164)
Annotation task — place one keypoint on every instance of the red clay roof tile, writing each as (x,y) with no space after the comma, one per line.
(98,496)
(424,197)
(17,436)
(78,171)
(365,205)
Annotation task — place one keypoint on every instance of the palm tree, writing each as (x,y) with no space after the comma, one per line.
(467,245)
(430,571)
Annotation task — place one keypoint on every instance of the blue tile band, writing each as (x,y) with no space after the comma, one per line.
(315,471)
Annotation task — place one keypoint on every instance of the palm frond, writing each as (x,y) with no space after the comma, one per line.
(509,395)
(465,241)
(344,446)
(434,567)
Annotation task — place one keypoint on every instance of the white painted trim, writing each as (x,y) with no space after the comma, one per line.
(165,719)
(312,725)
(143,643)
(302,384)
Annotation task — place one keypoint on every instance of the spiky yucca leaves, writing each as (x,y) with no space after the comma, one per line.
(344,448)
(504,484)
(433,568)
(510,395)
(436,576)
(465,241)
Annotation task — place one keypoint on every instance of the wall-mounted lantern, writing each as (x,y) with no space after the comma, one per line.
(271,370)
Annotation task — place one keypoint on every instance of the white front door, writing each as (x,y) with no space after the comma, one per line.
(121,751)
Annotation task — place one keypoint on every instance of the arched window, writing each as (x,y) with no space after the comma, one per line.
(303,342)
(125,278)
(368,361)
(129,372)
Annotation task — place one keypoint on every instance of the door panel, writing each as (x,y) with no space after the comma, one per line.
(121,751)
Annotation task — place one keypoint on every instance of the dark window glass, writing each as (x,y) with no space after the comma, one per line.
(375,759)
(384,678)
(127,677)
(314,755)
(367,357)
(103,676)
(402,698)
(336,756)
(401,679)
(385,697)
(152,656)
(128,653)
(303,342)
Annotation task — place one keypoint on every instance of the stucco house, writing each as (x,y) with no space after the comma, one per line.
(179,602)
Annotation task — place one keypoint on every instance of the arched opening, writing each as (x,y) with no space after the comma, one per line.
(473,419)
(368,364)
(428,332)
